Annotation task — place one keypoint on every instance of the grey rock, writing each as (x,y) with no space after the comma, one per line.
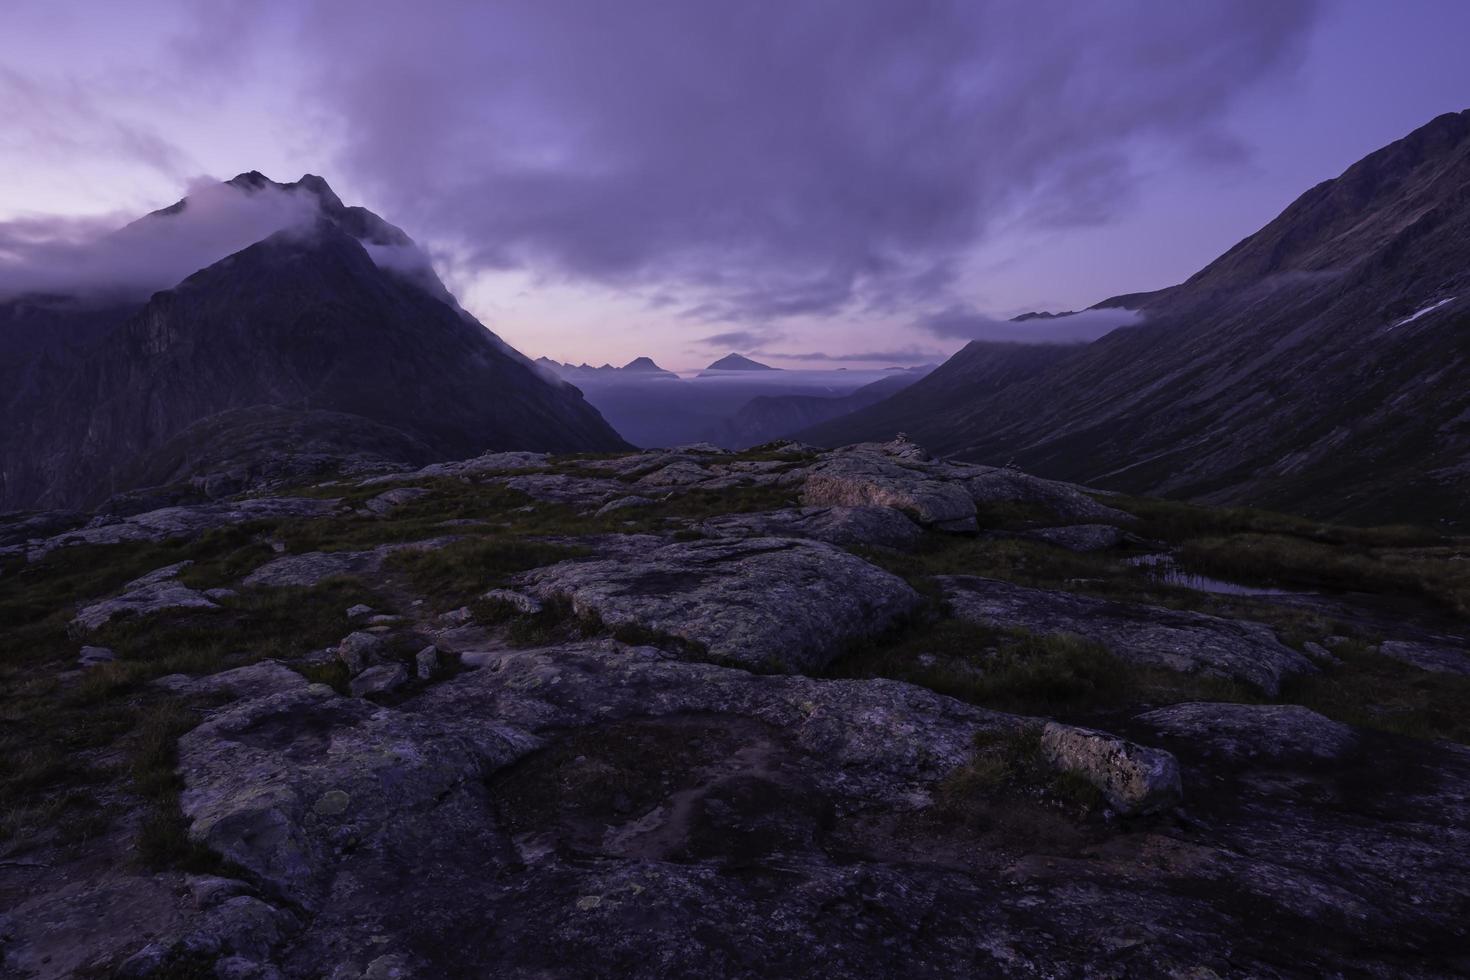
(880,527)
(860,476)
(561,488)
(314,567)
(426,662)
(1003,484)
(219,595)
(1135,779)
(519,601)
(759,602)
(623,503)
(388,501)
(1178,640)
(255,680)
(148,596)
(186,522)
(1081,537)
(95,656)
(1248,731)
(382,679)
(357,650)
(490,464)
(359,611)
(1433,657)
(676,474)
(281,785)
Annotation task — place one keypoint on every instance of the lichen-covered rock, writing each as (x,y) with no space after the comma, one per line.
(1153,636)
(314,567)
(1135,779)
(1002,484)
(1437,658)
(771,603)
(255,680)
(287,785)
(623,503)
(1081,538)
(856,479)
(381,679)
(519,601)
(388,501)
(184,522)
(1252,731)
(156,592)
(95,657)
(871,527)
(358,649)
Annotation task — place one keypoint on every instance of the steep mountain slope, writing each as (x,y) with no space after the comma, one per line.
(769,417)
(335,319)
(979,369)
(1320,365)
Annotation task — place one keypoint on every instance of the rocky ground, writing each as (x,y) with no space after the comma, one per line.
(777,713)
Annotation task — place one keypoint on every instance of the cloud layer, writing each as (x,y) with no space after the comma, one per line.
(770,159)
(962,323)
(81,256)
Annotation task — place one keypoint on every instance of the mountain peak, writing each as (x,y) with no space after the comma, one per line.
(642,364)
(739,362)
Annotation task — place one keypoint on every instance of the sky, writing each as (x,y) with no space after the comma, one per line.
(812,182)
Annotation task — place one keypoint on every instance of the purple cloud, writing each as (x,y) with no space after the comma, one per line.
(765,160)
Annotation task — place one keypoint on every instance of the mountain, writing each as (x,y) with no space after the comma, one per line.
(638,369)
(341,322)
(767,418)
(737,362)
(981,368)
(1317,366)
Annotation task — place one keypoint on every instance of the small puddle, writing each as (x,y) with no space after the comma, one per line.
(1162,568)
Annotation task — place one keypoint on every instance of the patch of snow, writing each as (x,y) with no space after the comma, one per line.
(1427,310)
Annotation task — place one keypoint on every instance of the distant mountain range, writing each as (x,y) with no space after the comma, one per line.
(1321,365)
(639,369)
(337,336)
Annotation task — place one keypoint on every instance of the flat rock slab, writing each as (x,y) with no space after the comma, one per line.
(1187,642)
(599,803)
(154,593)
(765,603)
(314,567)
(186,522)
(490,464)
(1242,732)
(1081,538)
(1433,657)
(870,527)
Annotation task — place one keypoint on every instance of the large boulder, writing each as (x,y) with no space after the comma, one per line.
(158,591)
(1135,779)
(766,603)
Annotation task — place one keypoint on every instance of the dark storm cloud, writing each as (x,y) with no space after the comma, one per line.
(769,158)
(1072,328)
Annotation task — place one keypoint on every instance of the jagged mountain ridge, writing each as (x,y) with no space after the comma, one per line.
(305,320)
(1308,368)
